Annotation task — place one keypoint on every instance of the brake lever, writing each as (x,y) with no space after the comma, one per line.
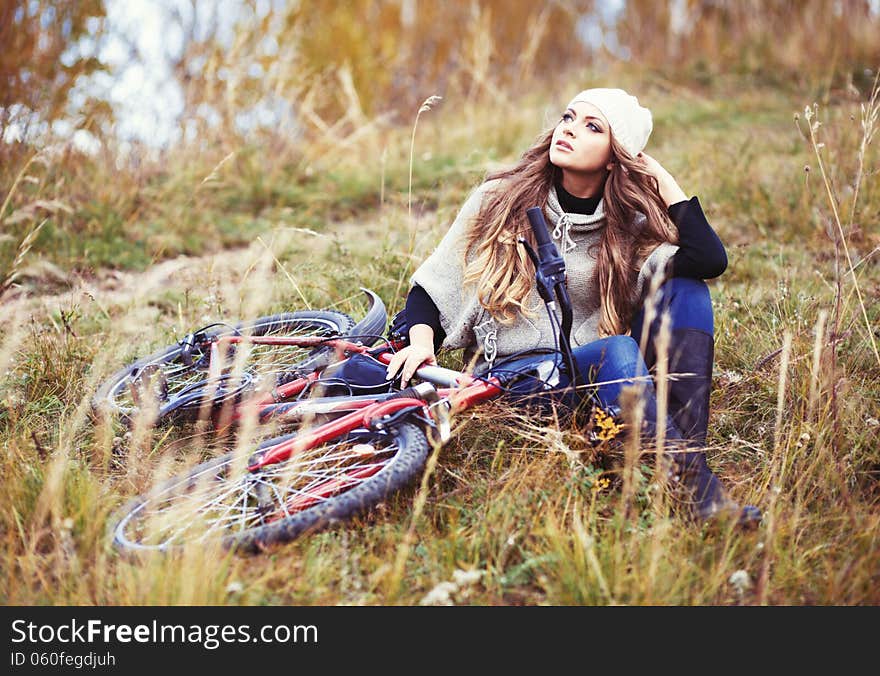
(530,251)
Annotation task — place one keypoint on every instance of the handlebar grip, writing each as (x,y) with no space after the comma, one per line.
(539,225)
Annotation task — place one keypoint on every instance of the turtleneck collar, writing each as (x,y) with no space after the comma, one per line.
(565,222)
(576,205)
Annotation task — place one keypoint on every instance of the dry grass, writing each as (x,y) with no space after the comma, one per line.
(516,510)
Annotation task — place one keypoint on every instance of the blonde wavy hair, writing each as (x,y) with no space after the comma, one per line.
(500,268)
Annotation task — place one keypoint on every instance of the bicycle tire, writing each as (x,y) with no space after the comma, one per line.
(117,394)
(208,504)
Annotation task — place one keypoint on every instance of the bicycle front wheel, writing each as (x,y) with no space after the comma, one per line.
(176,378)
(221,501)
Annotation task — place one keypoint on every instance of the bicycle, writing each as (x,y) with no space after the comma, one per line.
(366,447)
(182,379)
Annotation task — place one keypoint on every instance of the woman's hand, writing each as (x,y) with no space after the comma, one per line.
(669,188)
(420,351)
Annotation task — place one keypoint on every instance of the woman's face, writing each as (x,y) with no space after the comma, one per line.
(582,141)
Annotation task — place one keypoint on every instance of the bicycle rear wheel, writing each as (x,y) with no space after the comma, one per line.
(177,376)
(220,501)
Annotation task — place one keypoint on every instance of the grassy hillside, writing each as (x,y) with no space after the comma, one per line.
(527,504)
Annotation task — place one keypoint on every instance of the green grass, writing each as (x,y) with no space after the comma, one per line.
(521,503)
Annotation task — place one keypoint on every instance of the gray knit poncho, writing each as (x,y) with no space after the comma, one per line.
(468,325)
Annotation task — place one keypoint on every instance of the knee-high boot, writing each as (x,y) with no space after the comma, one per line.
(692,352)
(706,499)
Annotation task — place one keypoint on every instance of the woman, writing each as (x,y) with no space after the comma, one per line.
(618,218)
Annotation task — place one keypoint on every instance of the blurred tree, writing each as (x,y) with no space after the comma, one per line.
(776,39)
(45,47)
(326,61)
(400,50)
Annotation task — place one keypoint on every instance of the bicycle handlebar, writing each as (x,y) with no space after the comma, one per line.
(549,265)
(550,281)
(539,226)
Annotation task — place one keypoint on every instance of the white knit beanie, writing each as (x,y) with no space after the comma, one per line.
(631,124)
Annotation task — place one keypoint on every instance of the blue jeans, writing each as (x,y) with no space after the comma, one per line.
(616,361)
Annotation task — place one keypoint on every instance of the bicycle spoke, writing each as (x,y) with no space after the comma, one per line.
(218,502)
(243,364)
